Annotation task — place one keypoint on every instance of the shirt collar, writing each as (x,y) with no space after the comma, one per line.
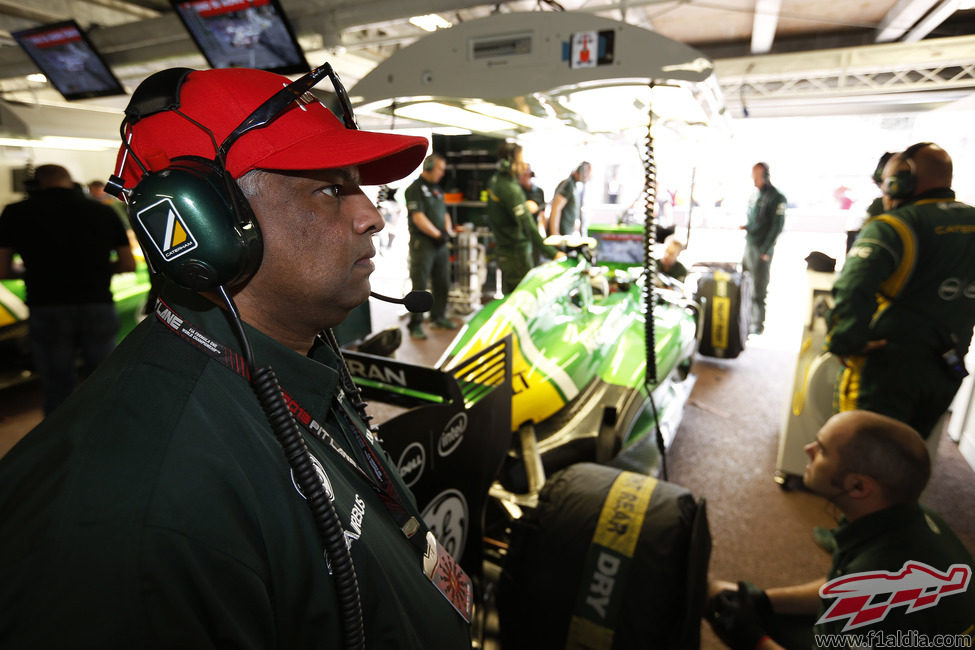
(936,193)
(311,380)
(876,524)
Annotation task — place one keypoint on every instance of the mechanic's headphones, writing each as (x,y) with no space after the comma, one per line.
(431,161)
(878,172)
(901,184)
(506,155)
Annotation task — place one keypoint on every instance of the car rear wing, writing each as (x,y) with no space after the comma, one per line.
(451,439)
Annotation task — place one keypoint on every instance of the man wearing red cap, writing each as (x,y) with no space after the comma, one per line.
(173,501)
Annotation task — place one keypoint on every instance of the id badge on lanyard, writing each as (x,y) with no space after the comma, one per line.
(447,576)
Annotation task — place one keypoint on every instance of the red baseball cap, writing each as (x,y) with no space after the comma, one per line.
(306,136)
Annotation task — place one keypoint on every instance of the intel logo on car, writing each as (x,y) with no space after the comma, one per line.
(452,435)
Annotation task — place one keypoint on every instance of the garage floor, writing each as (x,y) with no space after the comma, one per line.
(725,450)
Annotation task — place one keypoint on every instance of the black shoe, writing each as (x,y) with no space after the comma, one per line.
(416,332)
(444,323)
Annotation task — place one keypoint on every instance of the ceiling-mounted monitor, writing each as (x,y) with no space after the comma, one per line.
(69,60)
(243,34)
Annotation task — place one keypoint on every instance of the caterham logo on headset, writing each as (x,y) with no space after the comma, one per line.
(166,229)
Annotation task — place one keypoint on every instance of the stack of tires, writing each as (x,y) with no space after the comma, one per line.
(608,559)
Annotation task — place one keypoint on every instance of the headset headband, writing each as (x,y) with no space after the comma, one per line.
(912,150)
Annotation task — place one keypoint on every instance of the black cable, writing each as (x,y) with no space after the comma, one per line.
(285,429)
(650,272)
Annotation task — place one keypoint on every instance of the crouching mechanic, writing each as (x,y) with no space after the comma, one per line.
(157,508)
(899,573)
(904,304)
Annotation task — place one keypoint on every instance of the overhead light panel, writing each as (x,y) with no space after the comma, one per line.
(509,114)
(448,115)
(430,22)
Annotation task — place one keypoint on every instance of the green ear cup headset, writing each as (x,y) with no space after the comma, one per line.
(506,155)
(901,184)
(878,172)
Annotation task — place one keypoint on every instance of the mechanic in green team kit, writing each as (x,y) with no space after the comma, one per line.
(905,299)
(515,229)
(898,571)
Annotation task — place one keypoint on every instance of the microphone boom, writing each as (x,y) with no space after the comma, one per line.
(415,301)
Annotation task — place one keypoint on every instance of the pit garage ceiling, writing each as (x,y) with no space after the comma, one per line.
(771,56)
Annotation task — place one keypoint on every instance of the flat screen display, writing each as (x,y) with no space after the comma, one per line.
(69,61)
(618,244)
(242,34)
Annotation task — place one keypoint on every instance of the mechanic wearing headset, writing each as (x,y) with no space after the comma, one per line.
(872,468)
(905,299)
(515,230)
(156,509)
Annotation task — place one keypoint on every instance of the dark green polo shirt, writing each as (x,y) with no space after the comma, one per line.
(909,278)
(426,197)
(766,218)
(507,215)
(570,211)
(885,541)
(155,509)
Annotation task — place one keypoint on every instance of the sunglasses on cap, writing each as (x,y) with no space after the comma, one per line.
(278,103)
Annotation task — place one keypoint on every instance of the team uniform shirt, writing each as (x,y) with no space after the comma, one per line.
(569,217)
(910,276)
(426,197)
(507,215)
(876,207)
(909,279)
(885,541)
(66,241)
(156,509)
(536,194)
(766,217)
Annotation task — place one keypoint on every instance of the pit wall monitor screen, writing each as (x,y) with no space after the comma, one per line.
(69,61)
(242,34)
(621,244)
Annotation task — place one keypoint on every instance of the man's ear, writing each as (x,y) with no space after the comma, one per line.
(860,486)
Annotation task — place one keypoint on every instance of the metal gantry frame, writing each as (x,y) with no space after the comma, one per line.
(941,69)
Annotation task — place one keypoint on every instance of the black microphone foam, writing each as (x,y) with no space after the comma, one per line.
(415,301)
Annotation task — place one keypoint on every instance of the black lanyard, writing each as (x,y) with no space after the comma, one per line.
(377,477)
